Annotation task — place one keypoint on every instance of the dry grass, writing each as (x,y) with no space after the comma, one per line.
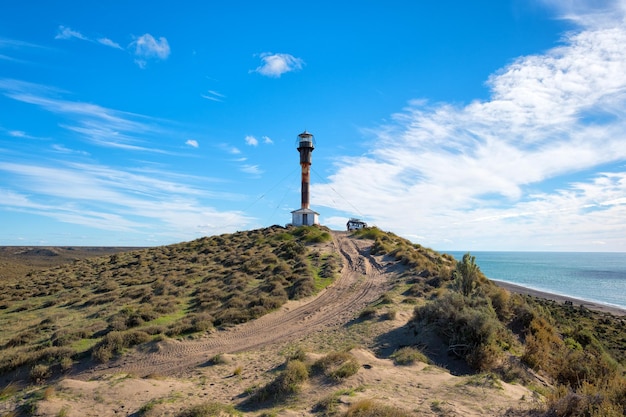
(371,408)
(174,290)
(337,365)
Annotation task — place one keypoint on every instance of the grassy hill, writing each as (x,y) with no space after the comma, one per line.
(92,310)
(53,316)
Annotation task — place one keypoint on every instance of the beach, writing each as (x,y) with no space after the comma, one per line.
(518,289)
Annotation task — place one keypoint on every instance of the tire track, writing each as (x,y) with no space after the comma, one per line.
(362,281)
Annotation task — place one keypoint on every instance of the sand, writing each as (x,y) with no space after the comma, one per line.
(603,308)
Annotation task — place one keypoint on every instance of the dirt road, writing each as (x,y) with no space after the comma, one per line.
(363,279)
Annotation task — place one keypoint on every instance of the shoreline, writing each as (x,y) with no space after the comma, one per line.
(561,299)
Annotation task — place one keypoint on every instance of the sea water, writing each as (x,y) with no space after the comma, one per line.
(590,276)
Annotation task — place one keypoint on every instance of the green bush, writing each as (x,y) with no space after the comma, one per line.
(285,385)
(114,343)
(408,356)
(65,337)
(467,275)
(337,365)
(211,409)
(370,408)
(469,326)
(39,373)
(371,233)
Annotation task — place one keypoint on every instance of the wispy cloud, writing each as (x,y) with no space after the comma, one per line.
(18,134)
(233,150)
(64,150)
(112,199)
(14,45)
(213,96)
(110,43)
(481,172)
(9,58)
(251,169)
(96,124)
(64,32)
(275,65)
(267,140)
(146,48)
(193,143)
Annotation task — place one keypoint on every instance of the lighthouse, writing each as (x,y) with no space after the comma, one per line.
(304,216)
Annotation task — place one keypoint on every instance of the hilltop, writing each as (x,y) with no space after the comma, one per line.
(298,320)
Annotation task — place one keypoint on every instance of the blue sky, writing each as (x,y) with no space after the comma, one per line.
(484,125)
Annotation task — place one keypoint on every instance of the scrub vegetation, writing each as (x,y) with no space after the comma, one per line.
(581,353)
(101,306)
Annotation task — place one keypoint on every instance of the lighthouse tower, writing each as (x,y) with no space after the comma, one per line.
(304,216)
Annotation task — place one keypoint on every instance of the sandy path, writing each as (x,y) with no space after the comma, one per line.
(363,279)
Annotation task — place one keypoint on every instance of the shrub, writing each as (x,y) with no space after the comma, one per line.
(386,298)
(367,313)
(303,287)
(542,345)
(66,364)
(201,322)
(591,400)
(65,337)
(22,338)
(466,275)
(370,408)
(390,315)
(371,233)
(39,373)
(211,409)
(337,365)
(469,326)
(327,406)
(218,359)
(115,342)
(408,356)
(500,299)
(286,384)
(298,355)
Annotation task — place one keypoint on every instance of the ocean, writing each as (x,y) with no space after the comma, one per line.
(590,276)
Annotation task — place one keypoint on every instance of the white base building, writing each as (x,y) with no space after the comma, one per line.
(304,217)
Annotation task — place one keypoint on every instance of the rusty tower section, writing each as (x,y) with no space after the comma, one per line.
(305,216)
(305,147)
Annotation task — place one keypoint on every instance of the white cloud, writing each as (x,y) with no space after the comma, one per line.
(483,175)
(267,140)
(146,47)
(193,143)
(251,141)
(15,45)
(229,149)
(251,169)
(99,125)
(64,32)
(17,134)
(275,65)
(64,150)
(110,43)
(213,96)
(110,199)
